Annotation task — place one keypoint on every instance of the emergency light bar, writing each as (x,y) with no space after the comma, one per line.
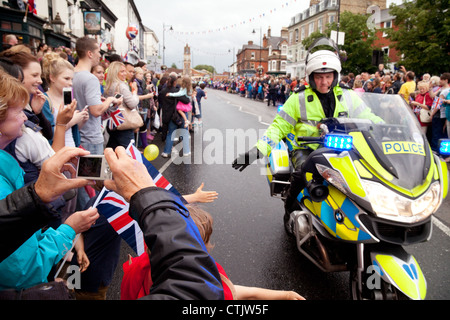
(444,147)
(340,142)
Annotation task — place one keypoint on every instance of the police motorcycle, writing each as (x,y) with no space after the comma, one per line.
(371,188)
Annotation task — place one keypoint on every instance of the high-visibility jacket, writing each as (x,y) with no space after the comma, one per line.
(302,112)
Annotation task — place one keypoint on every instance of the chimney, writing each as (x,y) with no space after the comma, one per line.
(265,42)
(313,2)
(250,43)
(269,33)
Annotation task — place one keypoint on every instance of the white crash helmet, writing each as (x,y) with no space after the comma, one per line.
(322,61)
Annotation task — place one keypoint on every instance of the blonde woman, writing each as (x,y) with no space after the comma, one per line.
(116,83)
(58,73)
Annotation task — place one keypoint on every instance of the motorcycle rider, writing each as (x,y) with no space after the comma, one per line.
(321,98)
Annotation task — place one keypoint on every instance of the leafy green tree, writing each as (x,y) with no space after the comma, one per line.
(422,35)
(205,67)
(358,45)
(174,66)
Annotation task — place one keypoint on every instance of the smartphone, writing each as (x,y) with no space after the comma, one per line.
(93,167)
(68,97)
(118,96)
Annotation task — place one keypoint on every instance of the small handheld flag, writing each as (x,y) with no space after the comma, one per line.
(115,208)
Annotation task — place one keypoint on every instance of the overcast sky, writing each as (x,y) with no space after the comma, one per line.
(213,29)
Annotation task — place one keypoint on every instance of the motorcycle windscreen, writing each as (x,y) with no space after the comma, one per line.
(393,134)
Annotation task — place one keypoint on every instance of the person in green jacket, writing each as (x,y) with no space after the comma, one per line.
(300,115)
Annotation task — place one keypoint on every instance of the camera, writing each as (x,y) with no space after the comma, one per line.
(67,94)
(93,167)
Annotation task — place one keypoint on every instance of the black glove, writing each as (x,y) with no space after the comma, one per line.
(245,159)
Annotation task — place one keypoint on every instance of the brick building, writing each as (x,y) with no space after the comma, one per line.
(269,58)
(315,18)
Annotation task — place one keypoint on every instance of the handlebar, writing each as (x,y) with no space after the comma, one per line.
(310,139)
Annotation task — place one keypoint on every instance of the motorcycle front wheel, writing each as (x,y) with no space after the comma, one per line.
(386,291)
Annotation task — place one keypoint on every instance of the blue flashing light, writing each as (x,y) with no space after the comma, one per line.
(339,141)
(444,147)
(280,107)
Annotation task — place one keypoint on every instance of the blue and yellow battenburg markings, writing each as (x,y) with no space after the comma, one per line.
(396,147)
(338,215)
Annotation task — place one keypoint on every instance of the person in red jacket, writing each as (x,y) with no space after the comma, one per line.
(137,281)
(422,101)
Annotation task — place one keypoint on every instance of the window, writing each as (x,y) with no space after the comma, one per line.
(303,33)
(320,25)
(291,37)
(253,55)
(17,26)
(50,9)
(387,25)
(35,32)
(270,50)
(283,66)
(311,28)
(385,51)
(6,25)
(322,5)
(303,54)
(296,35)
(331,18)
(274,65)
(312,10)
(284,49)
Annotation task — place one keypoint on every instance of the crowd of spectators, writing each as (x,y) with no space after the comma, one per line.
(429,92)
(38,127)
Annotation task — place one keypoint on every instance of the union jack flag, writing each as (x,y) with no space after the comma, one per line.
(115,208)
(116,119)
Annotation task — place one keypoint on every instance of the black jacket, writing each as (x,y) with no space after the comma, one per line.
(181,266)
(22,213)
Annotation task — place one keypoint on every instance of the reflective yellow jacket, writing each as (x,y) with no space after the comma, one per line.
(302,112)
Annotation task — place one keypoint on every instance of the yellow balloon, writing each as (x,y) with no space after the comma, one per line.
(151,152)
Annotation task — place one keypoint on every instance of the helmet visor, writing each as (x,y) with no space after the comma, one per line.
(323,44)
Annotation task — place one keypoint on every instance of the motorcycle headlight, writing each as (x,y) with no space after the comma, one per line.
(390,205)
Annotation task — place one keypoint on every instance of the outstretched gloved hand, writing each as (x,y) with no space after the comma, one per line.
(245,159)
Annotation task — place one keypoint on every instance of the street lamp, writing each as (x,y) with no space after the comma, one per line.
(164,41)
(58,24)
(260,45)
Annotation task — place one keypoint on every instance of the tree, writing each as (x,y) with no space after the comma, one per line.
(174,66)
(422,35)
(205,67)
(358,44)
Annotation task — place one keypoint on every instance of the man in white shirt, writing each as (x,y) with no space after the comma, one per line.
(86,90)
